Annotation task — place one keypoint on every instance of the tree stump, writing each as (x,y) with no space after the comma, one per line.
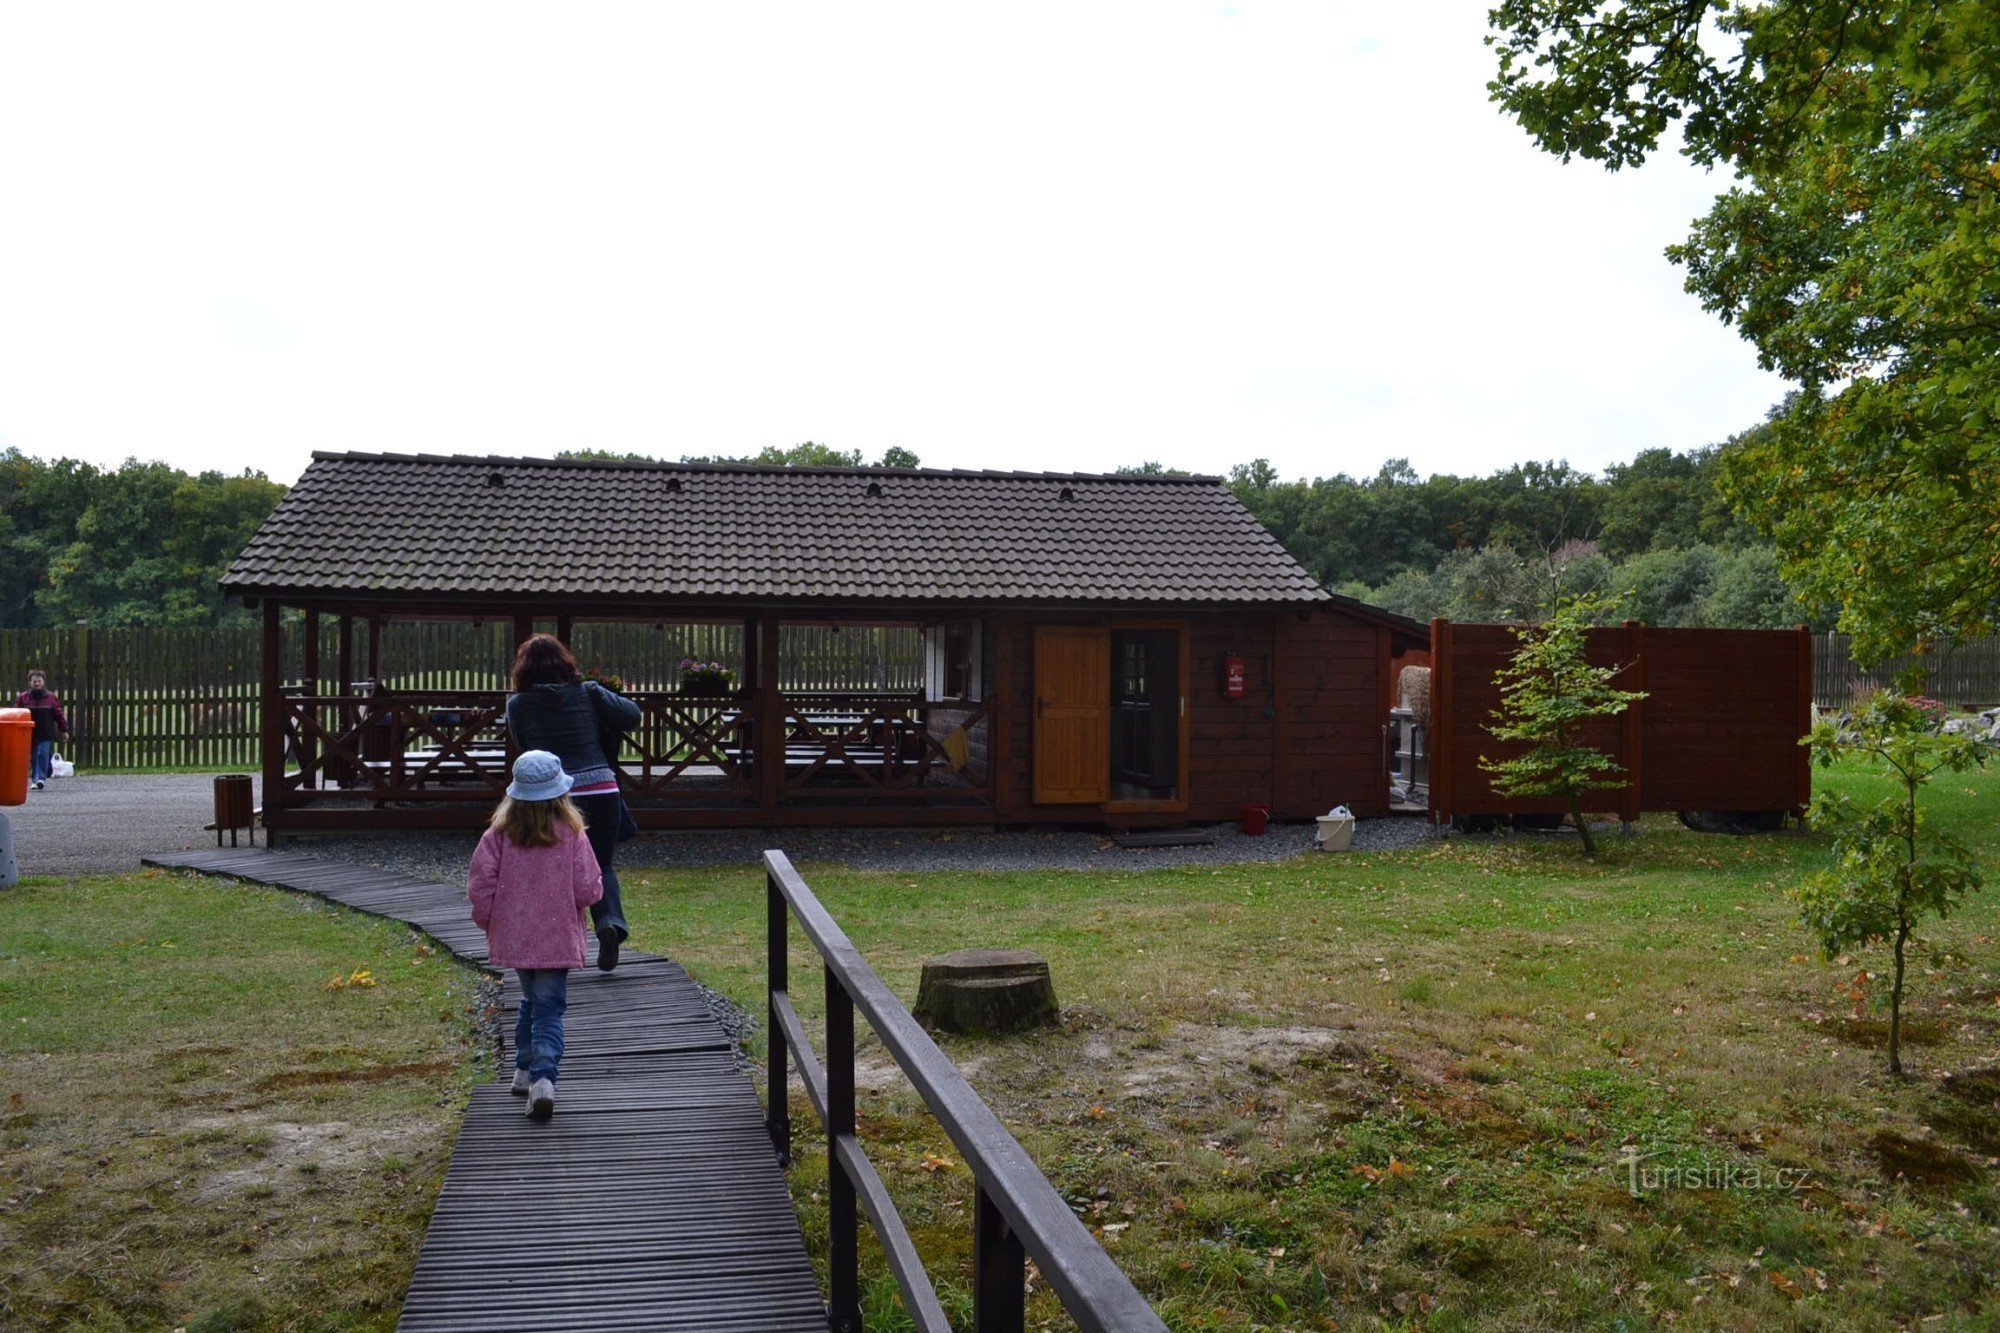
(986,990)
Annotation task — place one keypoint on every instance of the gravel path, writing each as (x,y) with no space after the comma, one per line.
(444,855)
(103,824)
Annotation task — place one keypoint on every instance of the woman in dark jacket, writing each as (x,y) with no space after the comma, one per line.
(554,708)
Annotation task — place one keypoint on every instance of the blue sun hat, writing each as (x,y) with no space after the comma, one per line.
(539,776)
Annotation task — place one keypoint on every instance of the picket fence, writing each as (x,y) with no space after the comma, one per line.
(187,698)
(1964,673)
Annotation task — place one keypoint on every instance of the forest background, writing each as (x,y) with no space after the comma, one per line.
(146,544)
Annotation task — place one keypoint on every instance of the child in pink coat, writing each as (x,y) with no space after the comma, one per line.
(532,876)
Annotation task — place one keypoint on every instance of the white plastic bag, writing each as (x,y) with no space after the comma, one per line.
(60,767)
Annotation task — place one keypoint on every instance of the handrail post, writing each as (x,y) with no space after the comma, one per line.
(843,1265)
(777,965)
(999,1272)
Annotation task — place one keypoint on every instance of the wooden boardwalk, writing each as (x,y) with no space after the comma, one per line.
(653,1200)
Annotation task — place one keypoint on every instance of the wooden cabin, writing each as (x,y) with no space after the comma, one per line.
(1119,651)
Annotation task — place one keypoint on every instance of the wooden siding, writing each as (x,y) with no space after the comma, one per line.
(1305,736)
(1332,704)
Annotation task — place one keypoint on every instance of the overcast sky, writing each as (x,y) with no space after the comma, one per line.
(1047,236)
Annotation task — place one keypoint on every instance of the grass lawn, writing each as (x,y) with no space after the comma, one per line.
(195,1132)
(1411,1090)
(1418,1090)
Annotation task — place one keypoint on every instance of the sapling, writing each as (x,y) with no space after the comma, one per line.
(1548,694)
(1890,868)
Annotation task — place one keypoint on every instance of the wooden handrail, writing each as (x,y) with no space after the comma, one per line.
(1019,1214)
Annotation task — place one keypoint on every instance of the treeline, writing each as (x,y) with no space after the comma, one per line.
(146,544)
(139,544)
(1656,532)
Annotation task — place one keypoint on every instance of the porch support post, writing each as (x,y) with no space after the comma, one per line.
(273,721)
(524,629)
(348,718)
(1001,690)
(770,717)
(309,679)
(375,649)
(564,623)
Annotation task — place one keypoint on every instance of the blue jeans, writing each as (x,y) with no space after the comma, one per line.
(538,1032)
(600,825)
(42,762)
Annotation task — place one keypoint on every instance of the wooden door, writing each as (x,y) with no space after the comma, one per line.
(1072,714)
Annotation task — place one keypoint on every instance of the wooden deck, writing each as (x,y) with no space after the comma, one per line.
(653,1200)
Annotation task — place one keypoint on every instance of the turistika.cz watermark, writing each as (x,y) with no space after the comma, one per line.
(1642,1179)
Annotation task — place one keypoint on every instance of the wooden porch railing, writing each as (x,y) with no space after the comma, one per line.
(451,745)
(1018,1215)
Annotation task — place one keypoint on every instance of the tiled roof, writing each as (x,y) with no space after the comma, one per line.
(403,525)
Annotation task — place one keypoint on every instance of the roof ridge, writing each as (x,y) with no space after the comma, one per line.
(779,469)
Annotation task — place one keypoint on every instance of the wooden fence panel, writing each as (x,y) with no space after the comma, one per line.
(1718,730)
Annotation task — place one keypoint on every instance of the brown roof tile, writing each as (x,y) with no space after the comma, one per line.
(388,524)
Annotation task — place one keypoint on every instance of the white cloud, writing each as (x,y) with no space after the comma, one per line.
(1033,236)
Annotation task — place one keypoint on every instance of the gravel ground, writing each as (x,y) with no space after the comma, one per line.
(105,823)
(443,856)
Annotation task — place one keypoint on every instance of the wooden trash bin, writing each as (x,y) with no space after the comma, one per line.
(235,807)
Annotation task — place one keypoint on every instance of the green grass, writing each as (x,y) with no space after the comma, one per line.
(1399,1090)
(1391,1090)
(198,1133)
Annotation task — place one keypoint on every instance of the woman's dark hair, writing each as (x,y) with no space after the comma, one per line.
(544,660)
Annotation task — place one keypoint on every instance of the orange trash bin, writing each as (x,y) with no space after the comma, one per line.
(17,745)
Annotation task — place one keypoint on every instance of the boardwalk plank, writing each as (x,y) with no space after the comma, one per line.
(652,1201)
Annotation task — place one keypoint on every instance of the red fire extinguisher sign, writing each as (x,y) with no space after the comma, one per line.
(1232,678)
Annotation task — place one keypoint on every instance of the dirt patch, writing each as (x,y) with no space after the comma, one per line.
(1919,1161)
(284,1147)
(1188,1059)
(301,1078)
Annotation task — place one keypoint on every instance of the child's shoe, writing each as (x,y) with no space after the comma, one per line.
(541,1100)
(521,1083)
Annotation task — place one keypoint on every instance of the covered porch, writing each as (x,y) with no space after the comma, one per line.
(392,714)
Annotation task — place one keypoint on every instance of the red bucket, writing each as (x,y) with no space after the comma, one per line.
(1255,817)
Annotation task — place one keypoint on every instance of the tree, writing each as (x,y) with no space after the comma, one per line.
(1548,693)
(807,454)
(1860,253)
(140,544)
(1668,587)
(1748,592)
(1890,869)
(1491,584)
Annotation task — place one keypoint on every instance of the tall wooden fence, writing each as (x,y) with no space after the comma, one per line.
(187,698)
(1719,728)
(1964,673)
